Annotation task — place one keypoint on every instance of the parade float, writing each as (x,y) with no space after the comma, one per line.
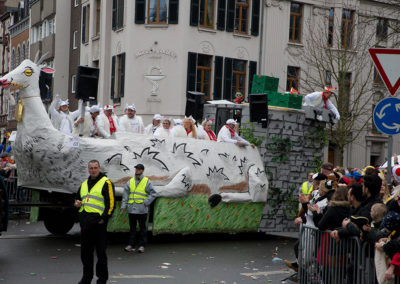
(184,172)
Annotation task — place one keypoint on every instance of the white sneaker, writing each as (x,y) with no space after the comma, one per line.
(129,248)
(141,249)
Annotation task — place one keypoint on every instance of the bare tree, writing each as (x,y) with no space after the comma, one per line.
(336,53)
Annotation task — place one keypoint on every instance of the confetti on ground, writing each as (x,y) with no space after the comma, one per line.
(33,274)
(166,263)
(172,252)
(163,266)
(54,257)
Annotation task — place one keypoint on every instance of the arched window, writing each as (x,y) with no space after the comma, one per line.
(13,59)
(18,60)
(23,51)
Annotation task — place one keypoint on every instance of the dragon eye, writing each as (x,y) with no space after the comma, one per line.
(28,72)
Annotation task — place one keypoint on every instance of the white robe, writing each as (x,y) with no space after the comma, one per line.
(315,100)
(89,128)
(179,131)
(224,135)
(162,132)
(62,121)
(103,125)
(133,125)
(150,129)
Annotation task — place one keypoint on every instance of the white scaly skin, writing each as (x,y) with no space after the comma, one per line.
(30,95)
(46,161)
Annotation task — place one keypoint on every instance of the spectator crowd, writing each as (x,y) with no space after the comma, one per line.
(348,203)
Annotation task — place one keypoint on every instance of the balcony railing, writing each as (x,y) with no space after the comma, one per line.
(19,27)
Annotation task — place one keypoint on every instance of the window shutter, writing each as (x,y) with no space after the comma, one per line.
(219,61)
(114,15)
(120,13)
(230,16)
(140,11)
(228,79)
(122,78)
(194,12)
(252,72)
(191,72)
(112,77)
(83,24)
(173,12)
(221,15)
(255,18)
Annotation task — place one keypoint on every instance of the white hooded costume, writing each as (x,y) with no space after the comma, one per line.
(103,123)
(63,121)
(224,135)
(315,100)
(89,125)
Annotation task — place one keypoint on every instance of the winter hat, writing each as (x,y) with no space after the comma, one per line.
(157,117)
(131,107)
(396,173)
(94,108)
(231,121)
(178,121)
(64,103)
(109,107)
(319,176)
(360,221)
(391,221)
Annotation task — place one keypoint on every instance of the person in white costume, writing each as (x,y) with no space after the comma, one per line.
(208,135)
(321,100)
(151,128)
(165,130)
(61,117)
(107,123)
(177,125)
(187,130)
(89,123)
(228,134)
(131,122)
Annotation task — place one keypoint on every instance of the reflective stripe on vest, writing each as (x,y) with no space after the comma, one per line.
(304,188)
(137,194)
(93,201)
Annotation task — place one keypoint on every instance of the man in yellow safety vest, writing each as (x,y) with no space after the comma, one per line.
(96,201)
(307,186)
(137,197)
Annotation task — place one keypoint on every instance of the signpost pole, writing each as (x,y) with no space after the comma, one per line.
(389,161)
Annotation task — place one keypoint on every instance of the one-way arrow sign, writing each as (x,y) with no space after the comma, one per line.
(387,61)
(387,116)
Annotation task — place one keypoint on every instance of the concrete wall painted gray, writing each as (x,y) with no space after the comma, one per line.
(295,125)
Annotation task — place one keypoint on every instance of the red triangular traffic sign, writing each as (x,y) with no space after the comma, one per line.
(387,61)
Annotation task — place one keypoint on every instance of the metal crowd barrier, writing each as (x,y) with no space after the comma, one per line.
(17,195)
(322,260)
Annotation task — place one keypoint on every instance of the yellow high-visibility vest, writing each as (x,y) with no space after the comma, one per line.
(93,201)
(306,190)
(137,194)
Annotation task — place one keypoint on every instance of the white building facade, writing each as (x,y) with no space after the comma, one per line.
(151,52)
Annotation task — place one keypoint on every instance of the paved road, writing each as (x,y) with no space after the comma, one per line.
(28,254)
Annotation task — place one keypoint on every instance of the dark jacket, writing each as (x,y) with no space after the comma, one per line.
(334,215)
(87,219)
(364,211)
(392,205)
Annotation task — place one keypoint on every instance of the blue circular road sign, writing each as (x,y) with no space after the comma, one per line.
(387,116)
